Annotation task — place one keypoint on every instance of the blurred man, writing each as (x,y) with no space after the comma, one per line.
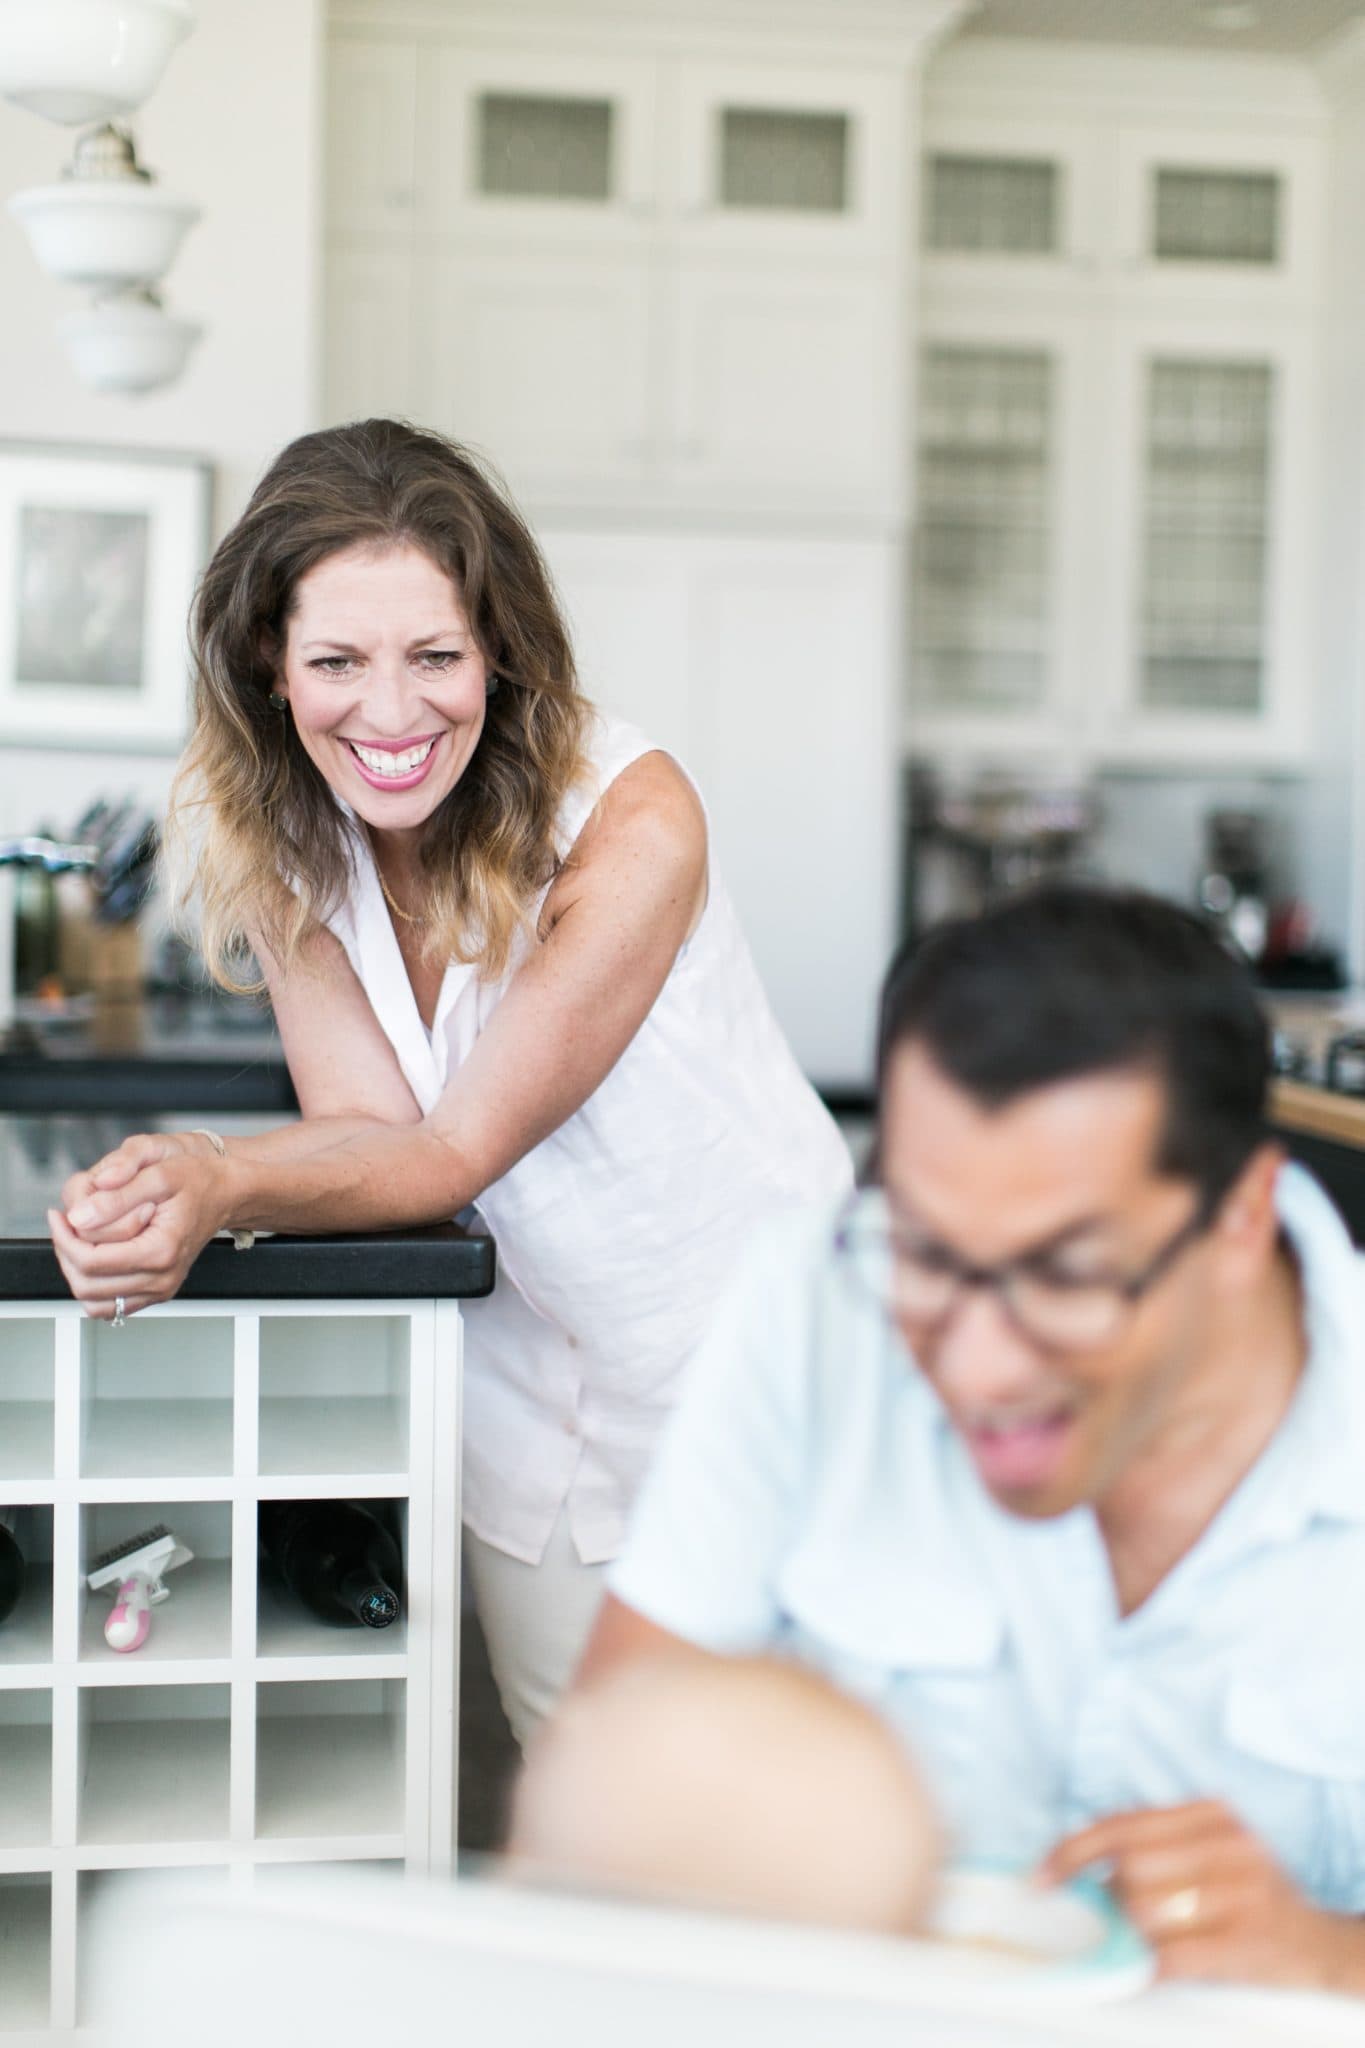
(1052,1444)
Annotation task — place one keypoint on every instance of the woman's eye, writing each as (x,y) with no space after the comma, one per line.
(331,664)
(441,657)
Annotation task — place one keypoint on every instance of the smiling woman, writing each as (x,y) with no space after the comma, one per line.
(504,968)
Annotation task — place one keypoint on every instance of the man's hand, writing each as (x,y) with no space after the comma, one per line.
(134,1224)
(1212,1901)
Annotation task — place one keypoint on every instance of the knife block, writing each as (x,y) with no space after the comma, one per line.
(116,979)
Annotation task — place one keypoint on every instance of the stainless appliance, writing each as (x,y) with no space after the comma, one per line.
(974,841)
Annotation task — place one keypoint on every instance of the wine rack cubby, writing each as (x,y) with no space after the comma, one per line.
(245,1737)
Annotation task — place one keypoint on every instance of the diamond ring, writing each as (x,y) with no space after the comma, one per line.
(120,1311)
(1179,1909)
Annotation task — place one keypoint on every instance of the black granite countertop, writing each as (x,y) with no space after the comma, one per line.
(190,1051)
(38,1153)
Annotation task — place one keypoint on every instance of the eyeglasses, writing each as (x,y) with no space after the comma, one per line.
(922,1283)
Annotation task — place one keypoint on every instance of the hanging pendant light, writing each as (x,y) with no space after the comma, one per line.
(127,342)
(79,61)
(106,225)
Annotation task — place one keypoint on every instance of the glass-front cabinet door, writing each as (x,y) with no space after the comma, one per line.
(546,145)
(1003,549)
(1007,205)
(1212,626)
(781,157)
(1203,215)
(981,606)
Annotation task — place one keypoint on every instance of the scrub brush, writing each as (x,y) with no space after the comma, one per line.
(135,1570)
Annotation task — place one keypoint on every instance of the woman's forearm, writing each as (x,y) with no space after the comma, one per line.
(345,1175)
(304,1139)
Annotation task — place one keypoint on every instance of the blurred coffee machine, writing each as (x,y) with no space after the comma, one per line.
(973,841)
(1236,887)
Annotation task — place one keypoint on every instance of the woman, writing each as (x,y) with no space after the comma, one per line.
(503,968)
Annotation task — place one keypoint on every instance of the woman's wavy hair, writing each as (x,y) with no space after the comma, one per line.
(255,839)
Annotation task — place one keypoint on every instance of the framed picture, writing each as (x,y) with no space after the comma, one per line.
(100,549)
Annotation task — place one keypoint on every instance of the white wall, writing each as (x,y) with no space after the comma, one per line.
(234,125)
(1336,837)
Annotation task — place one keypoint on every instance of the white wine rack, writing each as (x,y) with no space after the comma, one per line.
(245,1735)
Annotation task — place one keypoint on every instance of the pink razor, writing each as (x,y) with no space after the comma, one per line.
(133,1571)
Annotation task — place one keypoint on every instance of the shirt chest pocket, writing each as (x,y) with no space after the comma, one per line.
(1296,1760)
(928,1658)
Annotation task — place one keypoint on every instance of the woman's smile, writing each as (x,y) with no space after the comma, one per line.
(394,765)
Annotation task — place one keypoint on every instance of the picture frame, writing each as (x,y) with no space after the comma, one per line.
(100,552)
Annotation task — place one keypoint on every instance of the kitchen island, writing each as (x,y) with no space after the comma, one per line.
(244,1734)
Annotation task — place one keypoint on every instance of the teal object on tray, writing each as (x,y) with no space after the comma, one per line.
(998,1935)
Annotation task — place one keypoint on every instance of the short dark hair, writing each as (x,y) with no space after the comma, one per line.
(1069,980)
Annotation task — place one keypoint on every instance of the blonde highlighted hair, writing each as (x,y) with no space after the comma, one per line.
(255,839)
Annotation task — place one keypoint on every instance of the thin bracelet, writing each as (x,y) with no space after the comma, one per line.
(242,1240)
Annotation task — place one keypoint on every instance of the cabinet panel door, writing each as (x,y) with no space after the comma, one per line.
(534,144)
(544,365)
(776,157)
(792,655)
(625,596)
(371,362)
(785,382)
(371,136)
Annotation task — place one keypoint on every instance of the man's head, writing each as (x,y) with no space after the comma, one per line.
(1077,1177)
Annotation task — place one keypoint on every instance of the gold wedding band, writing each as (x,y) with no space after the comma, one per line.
(120,1311)
(1179,1909)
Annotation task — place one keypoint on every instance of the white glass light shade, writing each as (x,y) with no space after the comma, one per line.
(127,345)
(79,61)
(103,235)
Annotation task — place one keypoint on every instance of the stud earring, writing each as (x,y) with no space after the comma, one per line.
(492,685)
(277,702)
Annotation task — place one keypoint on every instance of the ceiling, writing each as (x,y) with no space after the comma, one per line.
(1285,27)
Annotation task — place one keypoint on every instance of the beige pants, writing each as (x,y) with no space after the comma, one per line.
(536,1619)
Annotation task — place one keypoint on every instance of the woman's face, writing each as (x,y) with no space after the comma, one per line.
(386,685)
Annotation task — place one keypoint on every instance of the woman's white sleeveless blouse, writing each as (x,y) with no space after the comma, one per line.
(615,1233)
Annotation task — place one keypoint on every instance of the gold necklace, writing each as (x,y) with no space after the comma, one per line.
(408,916)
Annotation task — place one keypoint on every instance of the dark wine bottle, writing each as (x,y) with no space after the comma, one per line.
(337,1557)
(11,1564)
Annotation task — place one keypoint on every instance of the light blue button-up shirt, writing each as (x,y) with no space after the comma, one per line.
(811,1495)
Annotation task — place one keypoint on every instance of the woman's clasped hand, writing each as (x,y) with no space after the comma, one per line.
(133,1224)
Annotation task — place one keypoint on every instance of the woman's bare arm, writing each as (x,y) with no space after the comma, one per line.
(617,916)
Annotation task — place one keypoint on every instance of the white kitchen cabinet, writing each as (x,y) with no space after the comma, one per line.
(536,146)
(1216,217)
(545,366)
(372,141)
(776,396)
(243,1734)
(1010,549)
(767,666)
(1211,643)
(1119,595)
(1012,205)
(1158,610)
(631,274)
(779,159)
(373,364)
